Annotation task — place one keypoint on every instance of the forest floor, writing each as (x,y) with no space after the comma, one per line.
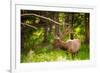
(46,53)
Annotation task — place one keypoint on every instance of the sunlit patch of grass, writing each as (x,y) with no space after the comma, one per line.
(84,52)
(48,54)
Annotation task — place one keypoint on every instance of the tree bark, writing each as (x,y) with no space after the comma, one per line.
(87,35)
(56,26)
(45,33)
(71,21)
(50,23)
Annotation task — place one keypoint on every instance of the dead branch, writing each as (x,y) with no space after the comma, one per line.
(29,25)
(42,17)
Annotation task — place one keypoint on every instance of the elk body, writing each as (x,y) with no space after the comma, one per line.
(71,46)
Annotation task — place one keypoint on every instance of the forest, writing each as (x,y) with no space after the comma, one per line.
(48,36)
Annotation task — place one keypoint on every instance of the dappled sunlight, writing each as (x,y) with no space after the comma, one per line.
(48,36)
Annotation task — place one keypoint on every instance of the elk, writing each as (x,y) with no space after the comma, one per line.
(71,45)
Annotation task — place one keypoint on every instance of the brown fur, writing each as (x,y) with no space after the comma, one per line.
(71,45)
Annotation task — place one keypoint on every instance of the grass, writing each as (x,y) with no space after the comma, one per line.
(46,53)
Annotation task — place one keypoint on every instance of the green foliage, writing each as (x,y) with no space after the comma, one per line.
(33,47)
(61,17)
(31,38)
(50,38)
(46,55)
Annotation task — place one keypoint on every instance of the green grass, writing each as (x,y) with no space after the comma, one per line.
(46,53)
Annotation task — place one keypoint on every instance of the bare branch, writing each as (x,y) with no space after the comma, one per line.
(42,17)
(29,25)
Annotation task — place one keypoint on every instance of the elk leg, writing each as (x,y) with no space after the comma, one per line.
(73,56)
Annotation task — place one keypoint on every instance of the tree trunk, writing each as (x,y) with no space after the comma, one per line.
(46,28)
(87,28)
(56,26)
(45,34)
(71,21)
(51,15)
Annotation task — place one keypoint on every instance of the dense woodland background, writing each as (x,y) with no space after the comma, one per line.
(40,28)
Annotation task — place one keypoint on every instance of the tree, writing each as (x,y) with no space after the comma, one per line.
(87,28)
(71,22)
(56,26)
